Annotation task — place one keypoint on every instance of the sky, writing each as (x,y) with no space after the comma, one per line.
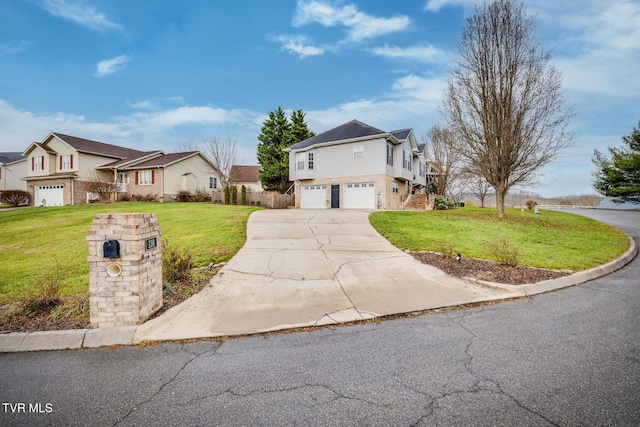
(159,74)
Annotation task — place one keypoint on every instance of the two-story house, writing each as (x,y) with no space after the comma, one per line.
(60,167)
(356,166)
(13,167)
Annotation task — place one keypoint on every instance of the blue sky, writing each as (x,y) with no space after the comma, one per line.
(154,74)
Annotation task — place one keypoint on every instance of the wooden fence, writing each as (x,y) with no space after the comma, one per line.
(271,200)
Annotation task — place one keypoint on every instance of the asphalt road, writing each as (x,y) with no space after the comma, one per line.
(567,358)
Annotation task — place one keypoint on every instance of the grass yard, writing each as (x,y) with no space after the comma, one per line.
(36,242)
(553,240)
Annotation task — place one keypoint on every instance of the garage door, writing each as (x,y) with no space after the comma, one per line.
(49,195)
(360,195)
(313,197)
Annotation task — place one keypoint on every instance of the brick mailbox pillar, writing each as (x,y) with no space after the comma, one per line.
(125,269)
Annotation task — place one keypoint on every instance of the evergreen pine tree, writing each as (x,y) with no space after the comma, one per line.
(619,177)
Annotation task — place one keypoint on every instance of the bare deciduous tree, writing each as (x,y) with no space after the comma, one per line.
(479,187)
(503,100)
(222,152)
(101,185)
(443,154)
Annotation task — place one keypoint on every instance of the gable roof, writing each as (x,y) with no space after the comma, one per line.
(350,130)
(10,157)
(401,133)
(165,160)
(244,173)
(100,148)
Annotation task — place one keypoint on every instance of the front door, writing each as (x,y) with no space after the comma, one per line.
(335,196)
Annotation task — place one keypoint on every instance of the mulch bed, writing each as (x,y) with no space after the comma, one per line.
(488,271)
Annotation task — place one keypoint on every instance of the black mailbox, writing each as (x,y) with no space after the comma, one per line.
(111,249)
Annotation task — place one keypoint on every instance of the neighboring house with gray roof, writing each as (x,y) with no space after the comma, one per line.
(13,167)
(60,167)
(358,166)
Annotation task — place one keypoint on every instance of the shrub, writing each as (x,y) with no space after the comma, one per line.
(440,203)
(227,195)
(445,248)
(176,263)
(503,251)
(243,194)
(201,196)
(44,296)
(13,197)
(184,196)
(234,195)
(530,204)
(470,204)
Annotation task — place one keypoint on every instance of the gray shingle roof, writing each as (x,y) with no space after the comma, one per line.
(401,133)
(100,148)
(164,160)
(350,130)
(8,157)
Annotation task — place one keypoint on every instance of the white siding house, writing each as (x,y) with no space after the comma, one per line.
(356,166)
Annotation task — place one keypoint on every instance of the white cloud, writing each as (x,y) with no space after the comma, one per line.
(9,48)
(110,66)
(421,52)
(80,13)
(145,131)
(181,116)
(298,45)
(436,5)
(360,26)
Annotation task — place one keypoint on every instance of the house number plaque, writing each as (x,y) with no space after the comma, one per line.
(150,243)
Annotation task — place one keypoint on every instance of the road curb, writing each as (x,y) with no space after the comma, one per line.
(105,337)
(567,281)
(66,340)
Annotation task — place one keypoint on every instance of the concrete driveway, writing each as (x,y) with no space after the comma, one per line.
(311,267)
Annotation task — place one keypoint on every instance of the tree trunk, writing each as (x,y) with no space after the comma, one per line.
(501,194)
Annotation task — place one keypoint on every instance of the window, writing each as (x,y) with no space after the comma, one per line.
(389,155)
(406,160)
(310,160)
(422,171)
(66,162)
(358,152)
(300,161)
(37,163)
(213,182)
(394,187)
(145,177)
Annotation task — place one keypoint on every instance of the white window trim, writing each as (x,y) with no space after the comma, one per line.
(358,152)
(144,177)
(38,163)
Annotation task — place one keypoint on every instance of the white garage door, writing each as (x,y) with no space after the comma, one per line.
(313,197)
(49,195)
(360,195)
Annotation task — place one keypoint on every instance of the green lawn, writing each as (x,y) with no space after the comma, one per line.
(36,241)
(555,240)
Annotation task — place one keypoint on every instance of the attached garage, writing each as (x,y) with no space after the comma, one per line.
(313,197)
(49,195)
(360,195)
